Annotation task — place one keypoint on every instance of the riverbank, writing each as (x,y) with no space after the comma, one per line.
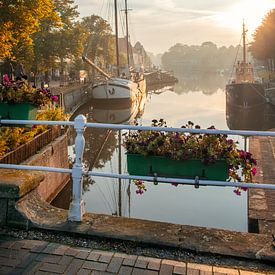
(43,250)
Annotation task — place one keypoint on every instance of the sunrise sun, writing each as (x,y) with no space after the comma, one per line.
(251,11)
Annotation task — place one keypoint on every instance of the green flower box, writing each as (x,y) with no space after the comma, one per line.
(17,111)
(163,166)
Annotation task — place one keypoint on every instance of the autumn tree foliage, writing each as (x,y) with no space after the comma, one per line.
(100,41)
(19,19)
(263,45)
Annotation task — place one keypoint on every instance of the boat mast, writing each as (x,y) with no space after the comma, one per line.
(244,45)
(116,33)
(127,33)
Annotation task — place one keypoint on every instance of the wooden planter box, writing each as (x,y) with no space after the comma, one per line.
(18,111)
(162,166)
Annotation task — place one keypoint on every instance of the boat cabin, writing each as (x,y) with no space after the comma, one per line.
(244,72)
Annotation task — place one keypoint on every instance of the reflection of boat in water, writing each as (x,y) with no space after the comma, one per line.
(244,90)
(260,117)
(119,113)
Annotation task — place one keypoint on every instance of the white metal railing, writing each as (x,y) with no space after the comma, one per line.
(78,170)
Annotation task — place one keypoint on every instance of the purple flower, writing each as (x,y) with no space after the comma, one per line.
(237,192)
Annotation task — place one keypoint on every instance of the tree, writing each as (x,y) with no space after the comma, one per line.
(100,41)
(263,45)
(19,19)
(51,42)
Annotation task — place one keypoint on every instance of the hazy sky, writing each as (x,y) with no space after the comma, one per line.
(159,24)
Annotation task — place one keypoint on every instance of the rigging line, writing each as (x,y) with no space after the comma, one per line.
(121,19)
(104,198)
(113,183)
(235,59)
(106,138)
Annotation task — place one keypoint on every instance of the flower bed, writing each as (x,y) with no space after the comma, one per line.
(182,149)
(18,100)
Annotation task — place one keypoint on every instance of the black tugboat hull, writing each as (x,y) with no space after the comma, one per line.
(257,118)
(245,94)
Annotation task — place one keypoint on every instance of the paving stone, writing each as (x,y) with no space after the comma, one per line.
(180,270)
(18,245)
(223,270)
(74,266)
(27,260)
(14,271)
(54,268)
(4,252)
(40,247)
(9,262)
(50,248)
(191,271)
(139,271)
(94,255)
(125,270)
(82,254)
(130,260)
(105,257)
(39,272)
(141,262)
(115,264)
(245,272)
(201,267)
(120,255)
(154,264)
(54,259)
(30,244)
(31,269)
(6,244)
(95,266)
(84,272)
(95,272)
(66,260)
(71,251)
(166,269)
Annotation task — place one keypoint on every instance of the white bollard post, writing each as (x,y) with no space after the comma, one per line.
(77,210)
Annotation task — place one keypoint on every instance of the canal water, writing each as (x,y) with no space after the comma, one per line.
(198,99)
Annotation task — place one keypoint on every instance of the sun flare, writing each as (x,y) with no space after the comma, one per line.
(251,11)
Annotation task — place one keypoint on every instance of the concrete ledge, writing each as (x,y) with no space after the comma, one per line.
(16,183)
(198,239)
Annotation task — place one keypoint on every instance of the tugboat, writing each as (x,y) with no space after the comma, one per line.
(244,90)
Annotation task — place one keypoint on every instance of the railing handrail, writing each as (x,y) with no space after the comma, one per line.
(76,210)
(143,128)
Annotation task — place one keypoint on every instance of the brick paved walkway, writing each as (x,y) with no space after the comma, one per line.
(39,257)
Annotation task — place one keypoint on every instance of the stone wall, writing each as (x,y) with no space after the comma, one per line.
(16,184)
(53,155)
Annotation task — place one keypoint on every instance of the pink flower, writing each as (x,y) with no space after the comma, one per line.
(254,171)
(6,78)
(54,98)
(237,192)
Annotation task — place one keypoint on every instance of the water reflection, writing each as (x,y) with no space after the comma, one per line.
(207,83)
(260,117)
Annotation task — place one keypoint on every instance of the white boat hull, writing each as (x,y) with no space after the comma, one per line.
(118,89)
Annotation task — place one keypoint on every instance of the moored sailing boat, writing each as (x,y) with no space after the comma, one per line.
(244,90)
(118,88)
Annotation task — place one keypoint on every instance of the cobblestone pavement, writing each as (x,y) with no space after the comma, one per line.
(40,257)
